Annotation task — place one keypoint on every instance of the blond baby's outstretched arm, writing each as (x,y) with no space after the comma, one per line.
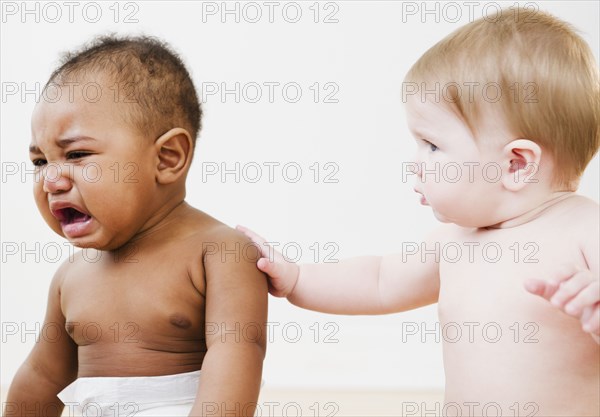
(361,285)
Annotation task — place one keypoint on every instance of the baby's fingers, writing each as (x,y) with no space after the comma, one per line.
(570,288)
(547,288)
(591,321)
(258,240)
(276,268)
(588,296)
(251,235)
(542,288)
(282,275)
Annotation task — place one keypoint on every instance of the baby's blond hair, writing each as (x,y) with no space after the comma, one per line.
(545,72)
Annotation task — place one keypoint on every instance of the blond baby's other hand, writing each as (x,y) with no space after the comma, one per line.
(282,273)
(576,292)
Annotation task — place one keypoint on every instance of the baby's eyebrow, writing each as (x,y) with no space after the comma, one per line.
(423,134)
(418,133)
(67,141)
(63,142)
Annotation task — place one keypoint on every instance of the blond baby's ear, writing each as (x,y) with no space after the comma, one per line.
(520,164)
(174,151)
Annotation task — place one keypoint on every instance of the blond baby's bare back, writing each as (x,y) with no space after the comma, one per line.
(508,351)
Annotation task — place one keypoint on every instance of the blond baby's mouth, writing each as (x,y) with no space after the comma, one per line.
(422,197)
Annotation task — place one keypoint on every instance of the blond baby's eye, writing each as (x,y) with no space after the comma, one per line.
(432,147)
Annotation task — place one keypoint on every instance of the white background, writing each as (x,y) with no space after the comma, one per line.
(370,210)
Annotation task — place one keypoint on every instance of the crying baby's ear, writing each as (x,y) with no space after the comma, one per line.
(174,151)
(520,164)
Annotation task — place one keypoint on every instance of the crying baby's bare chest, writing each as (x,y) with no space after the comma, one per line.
(132,302)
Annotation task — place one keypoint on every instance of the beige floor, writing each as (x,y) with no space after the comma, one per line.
(322,403)
(348,403)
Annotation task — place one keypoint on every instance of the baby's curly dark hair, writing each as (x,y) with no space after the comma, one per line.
(150,76)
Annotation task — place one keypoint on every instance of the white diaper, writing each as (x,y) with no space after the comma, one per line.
(165,395)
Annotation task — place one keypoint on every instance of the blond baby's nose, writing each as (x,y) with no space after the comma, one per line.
(415,164)
(417,169)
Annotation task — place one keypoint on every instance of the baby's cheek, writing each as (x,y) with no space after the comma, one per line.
(450,199)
